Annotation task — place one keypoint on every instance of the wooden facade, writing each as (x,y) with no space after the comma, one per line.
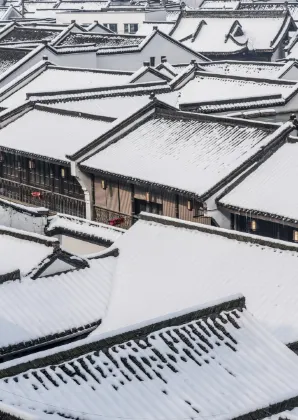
(41,183)
(271,228)
(119,203)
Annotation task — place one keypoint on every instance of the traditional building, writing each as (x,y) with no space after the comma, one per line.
(260,202)
(235,34)
(200,362)
(173,162)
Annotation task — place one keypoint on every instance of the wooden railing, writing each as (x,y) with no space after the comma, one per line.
(42,198)
(113,218)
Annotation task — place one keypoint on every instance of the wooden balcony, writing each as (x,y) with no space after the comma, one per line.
(42,198)
(113,218)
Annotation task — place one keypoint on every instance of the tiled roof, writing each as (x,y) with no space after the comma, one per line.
(242,68)
(58,79)
(268,190)
(211,88)
(199,152)
(117,106)
(9,57)
(34,312)
(220,4)
(101,40)
(98,232)
(28,34)
(182,264)
(212,33)
(23,251)
(220,364)
(62,133)
(81,5)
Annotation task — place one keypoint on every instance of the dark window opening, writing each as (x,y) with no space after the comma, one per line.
(149,207)
(131,28)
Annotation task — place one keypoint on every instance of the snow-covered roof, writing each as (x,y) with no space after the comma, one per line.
(203,363)
(220,4)
(210,32)
(21,34)
(61,133)
(246,68)
(199,152)
(52,78)
(268,190)
(23,251)
(207,88)
(33,312)
(81,5)
(9,57)
(86,229)
(100,40)
(178,264)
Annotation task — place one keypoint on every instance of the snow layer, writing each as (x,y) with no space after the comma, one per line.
(83,226)
(212,36)
(116,106)
(197,153)
(163,269)
(206,88)
(32,309)
(245,69)
(147,28)
(20,253)
(224,368)
(62,80)
(50,134)
(270,187)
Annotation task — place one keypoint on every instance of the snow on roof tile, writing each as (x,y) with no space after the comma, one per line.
(202,367)
(220,4)
(60,79)
(55,305)
(20,34)
(198,153)
(101,40)
(189,264)
(242,68)
(23,251)
(61,134)
(267,190)
(82,5)
(9,57)
(83,227)
(122,103)
(208,88)
(259,31)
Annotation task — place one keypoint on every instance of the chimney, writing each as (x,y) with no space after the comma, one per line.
(73,21)
(164,59)
(96,21)
(155,28)
(152,96)
(146,64)
(45,57)
(193,62)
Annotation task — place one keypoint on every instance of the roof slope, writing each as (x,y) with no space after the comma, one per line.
(9,57)
(213,32)
(54,78)
(209,88)
(36,311)
(61,133)
(100,40)
(269,188)
(23,251)
(78,227)
(204,363)
(242,68)
(20,34)
(188,264)
(198,152)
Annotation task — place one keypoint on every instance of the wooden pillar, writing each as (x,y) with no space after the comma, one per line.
(177,206)
(132,199)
